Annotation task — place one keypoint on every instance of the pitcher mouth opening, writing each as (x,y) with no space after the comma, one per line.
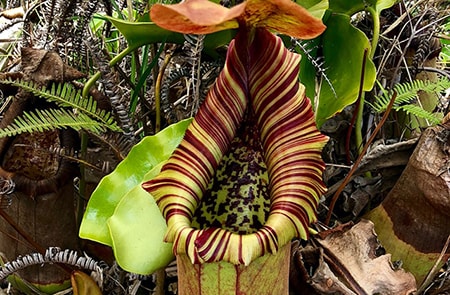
(257,109)
(216,244)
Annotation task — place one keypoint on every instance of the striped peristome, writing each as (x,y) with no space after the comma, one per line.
(260,77)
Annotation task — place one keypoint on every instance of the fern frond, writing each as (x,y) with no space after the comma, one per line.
(407,92)
(48,119)
(419,112)
(65,95)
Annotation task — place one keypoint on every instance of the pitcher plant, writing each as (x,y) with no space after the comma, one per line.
(247,176)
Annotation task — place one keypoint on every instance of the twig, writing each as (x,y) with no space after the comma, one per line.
(360,157)
(158,91)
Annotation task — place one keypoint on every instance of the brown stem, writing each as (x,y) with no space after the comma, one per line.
(160,281)
(158,92)
(358,160)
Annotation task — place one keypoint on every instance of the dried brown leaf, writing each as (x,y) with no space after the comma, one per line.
(354,254)
(349,264)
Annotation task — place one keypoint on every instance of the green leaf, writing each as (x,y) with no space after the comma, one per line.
(382,4)
(64,95)
(140,33)
(343,50)
(137,231)
(145,155)
(315,7)
(350,7)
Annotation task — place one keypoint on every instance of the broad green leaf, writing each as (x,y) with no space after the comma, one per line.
(145,155)
(350,7)
(343,47)
(137,231)
(140,33)
(382,4)
(343,50)
(316,7)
